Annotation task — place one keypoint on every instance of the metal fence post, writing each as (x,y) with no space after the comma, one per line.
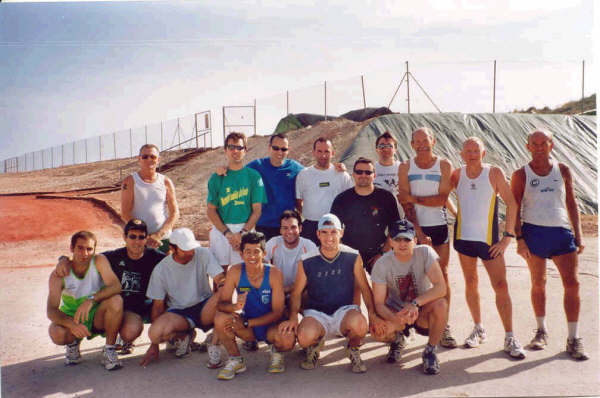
(362,83)
(196,128)
(325,98)
(161,136)
(287,103)
(130,145)
(224,134)
(582,83)
(494,92)
(254,116)
(407,89)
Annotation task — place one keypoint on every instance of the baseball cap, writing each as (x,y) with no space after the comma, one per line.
(136,224)
(332,220)
(402,229)
(184,239)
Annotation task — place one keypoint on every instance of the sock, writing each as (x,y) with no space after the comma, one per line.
(429,347)
(109,346)
(479,326)
(508,334)
(541,322)
(573,329)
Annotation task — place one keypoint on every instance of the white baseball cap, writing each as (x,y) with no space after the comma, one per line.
(184,239)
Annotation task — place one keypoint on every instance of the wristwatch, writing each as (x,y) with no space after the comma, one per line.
(92,297)
(414,302)
(245,323)
(508,234)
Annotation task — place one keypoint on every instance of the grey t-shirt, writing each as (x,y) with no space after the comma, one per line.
(184,285)
(405,281)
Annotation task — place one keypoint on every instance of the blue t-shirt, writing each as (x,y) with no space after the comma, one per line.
(280,185)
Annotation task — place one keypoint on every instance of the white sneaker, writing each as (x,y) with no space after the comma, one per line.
(476,337)
(233,367)
(183,347)
(277,364)
(72,354)
(214,356)
(513,348)
(110,359)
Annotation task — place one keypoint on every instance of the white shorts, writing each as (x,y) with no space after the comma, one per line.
(331,323)
(220,247)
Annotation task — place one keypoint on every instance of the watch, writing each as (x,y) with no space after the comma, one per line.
(92,297)
(508,234)
(245,323)
(414,302)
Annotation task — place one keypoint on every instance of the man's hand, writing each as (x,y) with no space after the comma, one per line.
(289,326)
(339,167)
(153,241)
(410,313)
(79,330)
(498,249)
(579,245)
(63,268)
(150,355)
(241,301)
(221,170)
(522,249)
(422,239)
(234,323)
(377,325)
(83,311)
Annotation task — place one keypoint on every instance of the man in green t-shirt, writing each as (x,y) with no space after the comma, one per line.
(234,202)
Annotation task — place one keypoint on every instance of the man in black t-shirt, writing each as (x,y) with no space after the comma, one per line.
(366,213)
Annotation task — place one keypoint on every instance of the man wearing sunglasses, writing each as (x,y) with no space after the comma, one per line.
(279,176)
(150,196)
(408,291)
(386,167)
(133,265)
(366,212)
(234,202)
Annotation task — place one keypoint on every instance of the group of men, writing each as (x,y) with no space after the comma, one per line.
(290,240)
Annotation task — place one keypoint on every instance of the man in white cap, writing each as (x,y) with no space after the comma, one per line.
(182,298)
(329,276)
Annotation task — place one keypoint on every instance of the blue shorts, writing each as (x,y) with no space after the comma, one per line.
(193,315)
(547,242)
(472,248)
(260,332)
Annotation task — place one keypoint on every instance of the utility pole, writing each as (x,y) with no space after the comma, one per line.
(407,89)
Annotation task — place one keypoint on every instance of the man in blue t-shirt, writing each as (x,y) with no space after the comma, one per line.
(279,176)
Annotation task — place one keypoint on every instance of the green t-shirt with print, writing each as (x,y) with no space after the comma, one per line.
(234,194)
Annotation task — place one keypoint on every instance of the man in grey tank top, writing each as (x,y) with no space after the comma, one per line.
(551,228)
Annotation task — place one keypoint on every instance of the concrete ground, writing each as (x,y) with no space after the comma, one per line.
(33,366)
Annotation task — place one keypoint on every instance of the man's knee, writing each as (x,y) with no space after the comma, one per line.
(471,280)
(60,335)
(220,320)
(132,328)
(308,332)
(355,323)
(500,286)
(439,307)
(114,304)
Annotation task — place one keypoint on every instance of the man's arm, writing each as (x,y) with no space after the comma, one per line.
(517,186)
(291,325)
(361,279)
(232,278)
(127,198)
(158,308)
(572,208)
(443,190)
(299,206)
(379,296)
(173,211)
(254,216)
(58,317)
(498,181)
(438,290)
(404,199)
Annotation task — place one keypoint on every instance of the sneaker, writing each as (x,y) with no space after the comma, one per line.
(277,363)
(250,345)
(358,366)
(476,337)
(539,341)
(447,340)
(110,359)
(431,365)
(394,355)
(214,357)
(513,348)
(72,354)
(312,355)
(233,367)
(183,347)
(575,349)
(202,347)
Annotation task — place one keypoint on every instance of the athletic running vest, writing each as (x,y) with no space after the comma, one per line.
(258,301)
(426,182)
(544,199)
(76,290)
(150,202)
(477,218)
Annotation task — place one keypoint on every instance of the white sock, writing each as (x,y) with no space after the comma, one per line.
(479,326)
(573,329)
(541,322)
(508,334)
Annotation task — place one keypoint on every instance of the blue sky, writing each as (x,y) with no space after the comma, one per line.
(73,70)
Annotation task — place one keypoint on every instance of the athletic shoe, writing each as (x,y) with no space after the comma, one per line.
(277,363)
(447,340)
(214,357)
(575,349)
(72,354)
(250,345)
(312,355)
(233,367)
(431,365)
(539,341)
(183,347)
(123,347)
(394,355)
(202,347)
(353,353)
(476,337)
(513,348)
(110,360)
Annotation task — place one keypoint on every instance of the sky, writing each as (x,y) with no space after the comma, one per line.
(74,70)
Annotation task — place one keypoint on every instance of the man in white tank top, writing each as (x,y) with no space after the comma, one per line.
(86,302)
(150,196)
(476,235)
(543,190)
(424,186)
(386,167)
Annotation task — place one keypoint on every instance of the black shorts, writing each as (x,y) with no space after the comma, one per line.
(193,315)
(437,233)
(418,329)
(144,310)
(473,249)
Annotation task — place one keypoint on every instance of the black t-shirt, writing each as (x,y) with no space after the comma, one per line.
(134,275)
(365,219)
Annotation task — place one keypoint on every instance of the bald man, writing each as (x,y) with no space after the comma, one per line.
(550,228)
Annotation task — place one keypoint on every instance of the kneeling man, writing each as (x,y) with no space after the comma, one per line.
(409,290)
(86,302)
(260,298)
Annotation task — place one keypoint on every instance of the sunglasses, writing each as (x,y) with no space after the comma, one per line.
(235,147)
(279,148)
(153,157)
(361,172)
(384,146)
(402,239)
(138,237)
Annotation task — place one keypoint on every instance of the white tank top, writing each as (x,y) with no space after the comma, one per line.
(150,202)
(426,182)
(477,218)
(76,290)
(544,199)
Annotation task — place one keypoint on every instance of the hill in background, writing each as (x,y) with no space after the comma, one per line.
(570,108)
